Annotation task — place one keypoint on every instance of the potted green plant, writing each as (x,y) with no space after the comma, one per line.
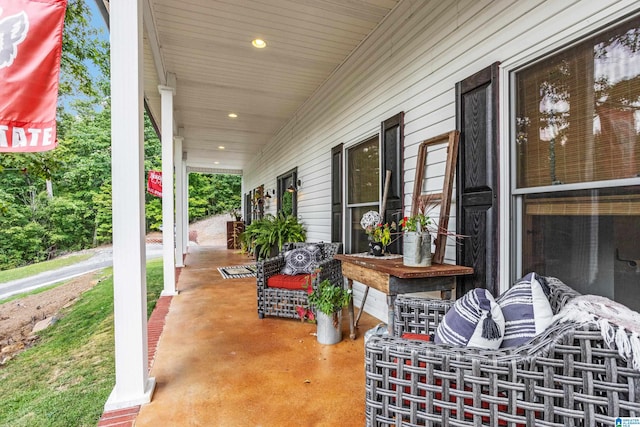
(265,237)
(379,233)
(329,300)
(380,238)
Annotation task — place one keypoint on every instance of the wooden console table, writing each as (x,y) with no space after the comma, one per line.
(391,277)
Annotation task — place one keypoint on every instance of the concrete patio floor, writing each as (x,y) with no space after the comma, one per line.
(217,364)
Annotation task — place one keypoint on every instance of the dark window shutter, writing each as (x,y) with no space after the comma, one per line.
(336,193)
(247,208)
(392,131)
(477,179)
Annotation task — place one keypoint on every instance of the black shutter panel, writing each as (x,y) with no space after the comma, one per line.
(392,131)
(247,208)
(477,179)
(336,193)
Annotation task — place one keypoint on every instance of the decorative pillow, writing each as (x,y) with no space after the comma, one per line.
(302,260)
(475,320)
(526,310)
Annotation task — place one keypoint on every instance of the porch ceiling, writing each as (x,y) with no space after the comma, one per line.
(206,44)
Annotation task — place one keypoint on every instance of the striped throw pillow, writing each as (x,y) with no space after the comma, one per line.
(475,320)
(526,310)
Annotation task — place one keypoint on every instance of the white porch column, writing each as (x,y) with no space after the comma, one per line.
(168,216)
(180,246)
(185,208)
(133,385)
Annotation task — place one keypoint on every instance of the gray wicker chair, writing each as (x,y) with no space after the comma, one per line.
(566,376)
(284,302)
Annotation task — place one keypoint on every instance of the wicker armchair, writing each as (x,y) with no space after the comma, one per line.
(284,302)
(566,376)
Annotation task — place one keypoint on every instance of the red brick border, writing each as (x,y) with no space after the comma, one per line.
(120,418)
(156,325)
(127,417)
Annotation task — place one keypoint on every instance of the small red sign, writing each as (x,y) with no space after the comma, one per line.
(154,183)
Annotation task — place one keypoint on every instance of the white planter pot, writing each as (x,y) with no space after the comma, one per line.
(416,249)
(327,333)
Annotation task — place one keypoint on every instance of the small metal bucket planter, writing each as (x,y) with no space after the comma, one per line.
(416,249)
(327,332)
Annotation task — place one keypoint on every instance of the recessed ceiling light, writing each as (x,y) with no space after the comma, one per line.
(233,115)
(259,43)
(216,163)
(220,147)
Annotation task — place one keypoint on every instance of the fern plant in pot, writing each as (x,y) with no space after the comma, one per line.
(265,237)
(329,299)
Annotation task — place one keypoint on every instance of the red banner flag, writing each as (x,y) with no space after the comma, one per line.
(154,183)
(30,49)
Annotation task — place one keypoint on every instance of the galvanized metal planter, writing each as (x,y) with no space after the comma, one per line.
(328,333)
(416,249)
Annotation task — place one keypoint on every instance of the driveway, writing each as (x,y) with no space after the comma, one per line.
(103,258)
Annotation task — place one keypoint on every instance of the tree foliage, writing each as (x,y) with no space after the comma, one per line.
(85,54)
(213,194)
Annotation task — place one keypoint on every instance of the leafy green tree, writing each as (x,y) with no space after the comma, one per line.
(153,213)
(226,190)
(85,54)
(86,151)
(22,244)
(213,194)
(68,222)
(103,219)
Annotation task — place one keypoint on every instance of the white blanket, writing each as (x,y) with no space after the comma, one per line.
(618,324)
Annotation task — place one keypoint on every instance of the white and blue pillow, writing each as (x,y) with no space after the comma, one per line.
(526,309)
(475,320)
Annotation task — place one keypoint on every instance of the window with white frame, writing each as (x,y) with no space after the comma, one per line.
(576,162)
(363,190)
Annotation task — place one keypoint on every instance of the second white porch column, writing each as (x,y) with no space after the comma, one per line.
(133,385)
(185,209)
(168,216)
(180,246)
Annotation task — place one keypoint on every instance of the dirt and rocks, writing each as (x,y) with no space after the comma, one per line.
(19,317)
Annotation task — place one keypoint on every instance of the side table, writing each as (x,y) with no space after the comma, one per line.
(391,277)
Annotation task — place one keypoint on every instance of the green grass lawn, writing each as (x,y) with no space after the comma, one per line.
(32,270)
(66,378)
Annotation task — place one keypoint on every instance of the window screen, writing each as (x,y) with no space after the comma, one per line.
(578,112)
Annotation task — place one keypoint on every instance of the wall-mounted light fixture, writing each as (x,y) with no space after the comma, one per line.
(292,188)
(268,193)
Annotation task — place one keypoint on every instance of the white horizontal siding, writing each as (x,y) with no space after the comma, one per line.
(412,63)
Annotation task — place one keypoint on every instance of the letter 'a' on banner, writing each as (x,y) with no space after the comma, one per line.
(30,50)
(154,183)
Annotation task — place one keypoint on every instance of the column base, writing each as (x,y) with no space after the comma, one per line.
(115,402)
